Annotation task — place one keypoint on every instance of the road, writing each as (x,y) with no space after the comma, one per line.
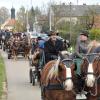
(18,84)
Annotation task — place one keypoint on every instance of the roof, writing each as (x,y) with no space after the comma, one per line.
(76,10)
(11,22)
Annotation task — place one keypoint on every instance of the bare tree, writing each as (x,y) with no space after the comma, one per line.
(21,16)
(4,14)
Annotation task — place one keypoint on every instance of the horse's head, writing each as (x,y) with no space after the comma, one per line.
(68,73)
(63,73)
(96,67)
(90,70)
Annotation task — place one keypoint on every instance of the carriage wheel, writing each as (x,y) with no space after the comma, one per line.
(0,46)
(42,92)
(30,75)
(33,80)
(39,76)
(3,48)
(9,56)
(30,62)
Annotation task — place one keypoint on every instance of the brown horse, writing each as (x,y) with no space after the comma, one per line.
(91,74)
(14,49)
(92,46)
(27,50)
(57,81)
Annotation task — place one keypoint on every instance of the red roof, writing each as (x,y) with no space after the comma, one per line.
(10,22)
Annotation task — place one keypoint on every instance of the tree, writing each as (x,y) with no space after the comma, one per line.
(4,14)
(19,27)
(37,11)
(31,18)
(94,34)
(21,16)
(87,20)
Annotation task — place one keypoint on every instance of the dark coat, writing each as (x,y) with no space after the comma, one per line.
(50,49)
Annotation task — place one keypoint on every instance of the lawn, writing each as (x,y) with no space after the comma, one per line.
(2,75)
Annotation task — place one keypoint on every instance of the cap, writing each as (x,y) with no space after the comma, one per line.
(84,32)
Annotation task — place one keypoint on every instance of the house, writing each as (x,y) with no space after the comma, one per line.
(65,12)
(10,23)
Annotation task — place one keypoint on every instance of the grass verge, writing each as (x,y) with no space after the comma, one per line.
(2,75)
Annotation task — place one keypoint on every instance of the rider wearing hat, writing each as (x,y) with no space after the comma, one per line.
(81,45)
(52,47)
(82,42)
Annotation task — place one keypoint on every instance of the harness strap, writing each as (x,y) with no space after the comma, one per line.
(68,78)
(90,73)
(54,87)
(98,81)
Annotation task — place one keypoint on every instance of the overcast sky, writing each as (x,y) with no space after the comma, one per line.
(28,3)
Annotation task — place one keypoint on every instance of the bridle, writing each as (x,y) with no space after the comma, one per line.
(95,74)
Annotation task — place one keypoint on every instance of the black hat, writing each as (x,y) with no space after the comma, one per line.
(52,33)
(84,32)
(39,38)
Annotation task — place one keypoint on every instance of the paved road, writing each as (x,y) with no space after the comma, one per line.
(19,87)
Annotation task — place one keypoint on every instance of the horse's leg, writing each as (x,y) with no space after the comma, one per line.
(92,97)
(25,53)
(15,55)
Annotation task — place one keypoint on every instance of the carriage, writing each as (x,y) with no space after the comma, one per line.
(36,63)
(20,51)
(18,46)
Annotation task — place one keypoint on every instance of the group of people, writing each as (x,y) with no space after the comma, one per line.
(53,46)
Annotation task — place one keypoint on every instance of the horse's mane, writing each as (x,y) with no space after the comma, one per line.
(50,71)
(54,70)
(84,65)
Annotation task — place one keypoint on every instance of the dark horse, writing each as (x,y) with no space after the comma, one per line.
(57,81)
(91,73)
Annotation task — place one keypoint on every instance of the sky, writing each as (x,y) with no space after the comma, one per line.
(41,3)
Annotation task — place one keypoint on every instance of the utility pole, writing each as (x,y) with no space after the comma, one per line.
(70,20)
(77,2)
(50,24)
(27,20)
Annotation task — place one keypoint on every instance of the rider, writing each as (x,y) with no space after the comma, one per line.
(81,48)
(41,43)
(52,47)
(81,45)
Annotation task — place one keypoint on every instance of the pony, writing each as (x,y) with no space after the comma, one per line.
(57,81)
(91,74)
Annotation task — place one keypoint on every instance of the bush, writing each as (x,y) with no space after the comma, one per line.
(94,34)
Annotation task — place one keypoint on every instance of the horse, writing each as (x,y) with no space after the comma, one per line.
(57,81)
(14,49)
(91,74)
(94,47)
